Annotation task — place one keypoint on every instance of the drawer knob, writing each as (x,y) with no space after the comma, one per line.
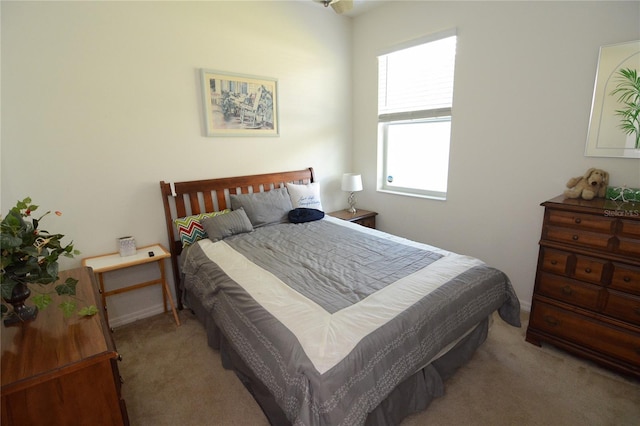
(566,290)
(626,279)
(554,262)
(587,270)
(578,220)
(575,238)
(550,320)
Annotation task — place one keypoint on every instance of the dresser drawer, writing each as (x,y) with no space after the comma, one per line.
(570,291)
(628,246)
(589,269)
(555,261)
(626,278)
(630,228)
(582,221)
(588,332)
(623,306)
(579,237)
(369,222)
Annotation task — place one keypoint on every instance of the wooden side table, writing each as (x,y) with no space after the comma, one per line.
(113,262)
(361,217)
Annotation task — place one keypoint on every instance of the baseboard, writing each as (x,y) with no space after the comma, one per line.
(134,316)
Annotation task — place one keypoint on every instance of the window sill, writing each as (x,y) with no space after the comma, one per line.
(414,195)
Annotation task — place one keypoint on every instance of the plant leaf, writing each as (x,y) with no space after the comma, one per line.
(628,92)
(7,287)
(68,287)
(42,300)
(68,308)
(88,311)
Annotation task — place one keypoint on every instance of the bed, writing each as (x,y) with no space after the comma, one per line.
(324,321)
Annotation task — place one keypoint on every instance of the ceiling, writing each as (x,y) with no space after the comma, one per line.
(359,6)
(362,6)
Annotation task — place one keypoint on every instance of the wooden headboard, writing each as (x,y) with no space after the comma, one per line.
(182,199)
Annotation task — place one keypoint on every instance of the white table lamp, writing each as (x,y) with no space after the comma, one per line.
(351,183)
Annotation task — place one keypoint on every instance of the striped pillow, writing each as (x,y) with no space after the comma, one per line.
(190,229)
(221,227)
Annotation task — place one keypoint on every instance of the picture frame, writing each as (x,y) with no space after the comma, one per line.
(239,104)
(605,138)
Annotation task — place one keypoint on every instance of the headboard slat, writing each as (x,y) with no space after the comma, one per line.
(208,201)
(180,207)
(222,201)
(221,187)
(195,204)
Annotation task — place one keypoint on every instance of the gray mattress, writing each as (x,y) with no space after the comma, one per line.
(321,345)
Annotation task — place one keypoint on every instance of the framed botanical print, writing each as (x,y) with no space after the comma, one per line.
(614,127)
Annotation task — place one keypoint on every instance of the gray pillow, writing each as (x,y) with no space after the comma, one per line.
(264,208)
(223,226)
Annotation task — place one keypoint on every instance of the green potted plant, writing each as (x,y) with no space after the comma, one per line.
(628,91)
(30,261)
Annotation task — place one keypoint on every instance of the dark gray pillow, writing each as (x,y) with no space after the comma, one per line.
(223,226)
(264,208)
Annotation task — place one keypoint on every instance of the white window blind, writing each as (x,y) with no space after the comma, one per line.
(417,82)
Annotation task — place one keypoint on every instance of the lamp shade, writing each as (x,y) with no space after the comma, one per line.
(351,182)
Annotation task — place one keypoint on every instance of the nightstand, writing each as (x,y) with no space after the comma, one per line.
(113,262)
(361,217)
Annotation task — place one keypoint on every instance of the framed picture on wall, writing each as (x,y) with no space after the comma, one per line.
(239,105)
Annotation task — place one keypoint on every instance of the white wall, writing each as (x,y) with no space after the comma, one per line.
(102,100)
(523,85)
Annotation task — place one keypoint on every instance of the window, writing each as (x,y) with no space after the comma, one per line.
(415,94)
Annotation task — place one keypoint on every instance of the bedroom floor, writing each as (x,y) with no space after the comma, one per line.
(172,377)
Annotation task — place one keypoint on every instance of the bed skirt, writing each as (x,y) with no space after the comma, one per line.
(411,396)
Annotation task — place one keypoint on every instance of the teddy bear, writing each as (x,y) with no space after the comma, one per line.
(592,184)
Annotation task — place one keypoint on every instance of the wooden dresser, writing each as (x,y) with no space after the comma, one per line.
(62,371)
(586,298)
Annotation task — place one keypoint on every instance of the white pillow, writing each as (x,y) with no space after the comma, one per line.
(305,196)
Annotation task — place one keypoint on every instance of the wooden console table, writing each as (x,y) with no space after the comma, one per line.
(62,371)
(113,262)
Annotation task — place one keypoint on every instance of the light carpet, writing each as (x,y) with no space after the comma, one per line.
(172,377)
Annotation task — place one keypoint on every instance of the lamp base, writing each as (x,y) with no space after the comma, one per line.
(352,203)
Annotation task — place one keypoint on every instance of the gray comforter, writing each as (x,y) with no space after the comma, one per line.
(332,319)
